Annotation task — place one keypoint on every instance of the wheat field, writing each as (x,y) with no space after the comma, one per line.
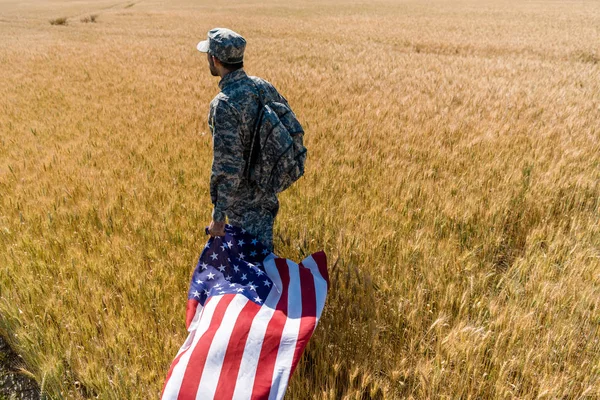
(453,181)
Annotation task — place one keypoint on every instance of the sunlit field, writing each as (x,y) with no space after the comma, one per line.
(453,181)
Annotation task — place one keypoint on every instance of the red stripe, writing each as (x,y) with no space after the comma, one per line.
(190,312)
(195,367)
(321,260)
(235,351)
(270,346)
(176,360)
(309,313)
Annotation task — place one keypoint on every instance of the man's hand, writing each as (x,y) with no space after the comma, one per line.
(216,228)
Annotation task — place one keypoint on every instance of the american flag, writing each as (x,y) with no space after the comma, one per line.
(250,315)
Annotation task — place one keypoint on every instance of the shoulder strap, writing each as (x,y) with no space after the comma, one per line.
(255,138)
(260,92)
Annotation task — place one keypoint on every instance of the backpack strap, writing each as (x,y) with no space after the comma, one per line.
(255,138)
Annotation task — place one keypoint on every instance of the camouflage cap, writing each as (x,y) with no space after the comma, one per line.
(225,44)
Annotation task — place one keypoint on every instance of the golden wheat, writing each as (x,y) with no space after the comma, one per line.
(452,179)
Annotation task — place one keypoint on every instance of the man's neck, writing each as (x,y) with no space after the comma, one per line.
(223,71)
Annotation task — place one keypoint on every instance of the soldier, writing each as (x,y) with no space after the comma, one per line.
(232,116)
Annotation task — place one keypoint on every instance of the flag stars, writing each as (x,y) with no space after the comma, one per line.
(233,265)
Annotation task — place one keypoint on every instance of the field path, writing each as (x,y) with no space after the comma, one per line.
(13,383)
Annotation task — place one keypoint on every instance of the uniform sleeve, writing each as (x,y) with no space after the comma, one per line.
(227,166)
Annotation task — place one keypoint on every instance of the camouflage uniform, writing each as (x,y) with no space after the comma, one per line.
(231,118)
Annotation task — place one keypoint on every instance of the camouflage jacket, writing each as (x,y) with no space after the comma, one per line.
(231,119)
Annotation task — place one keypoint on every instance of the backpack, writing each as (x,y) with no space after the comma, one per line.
(277,153)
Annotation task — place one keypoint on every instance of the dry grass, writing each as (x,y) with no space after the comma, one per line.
(88,19)
(58,21)
(453,179)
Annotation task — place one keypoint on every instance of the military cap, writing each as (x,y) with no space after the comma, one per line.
(225,44)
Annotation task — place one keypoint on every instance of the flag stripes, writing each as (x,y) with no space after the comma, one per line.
(308,320)
(242,347)
(236,346)
(173,384)
(270,346)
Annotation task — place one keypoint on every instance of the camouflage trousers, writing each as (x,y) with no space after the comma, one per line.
(257,221)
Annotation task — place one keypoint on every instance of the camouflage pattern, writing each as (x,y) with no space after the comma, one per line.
(225,44)
(231,118)
(258,222)
(280,161)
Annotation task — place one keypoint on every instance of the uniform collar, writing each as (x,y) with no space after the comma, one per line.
(232,77)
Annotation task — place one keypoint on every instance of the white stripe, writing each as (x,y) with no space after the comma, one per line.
(193,325)
(320,284)
(174,384)
(245,380)
(190,336)
(218,348)
(271,270)
(197,315)
(289,336)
